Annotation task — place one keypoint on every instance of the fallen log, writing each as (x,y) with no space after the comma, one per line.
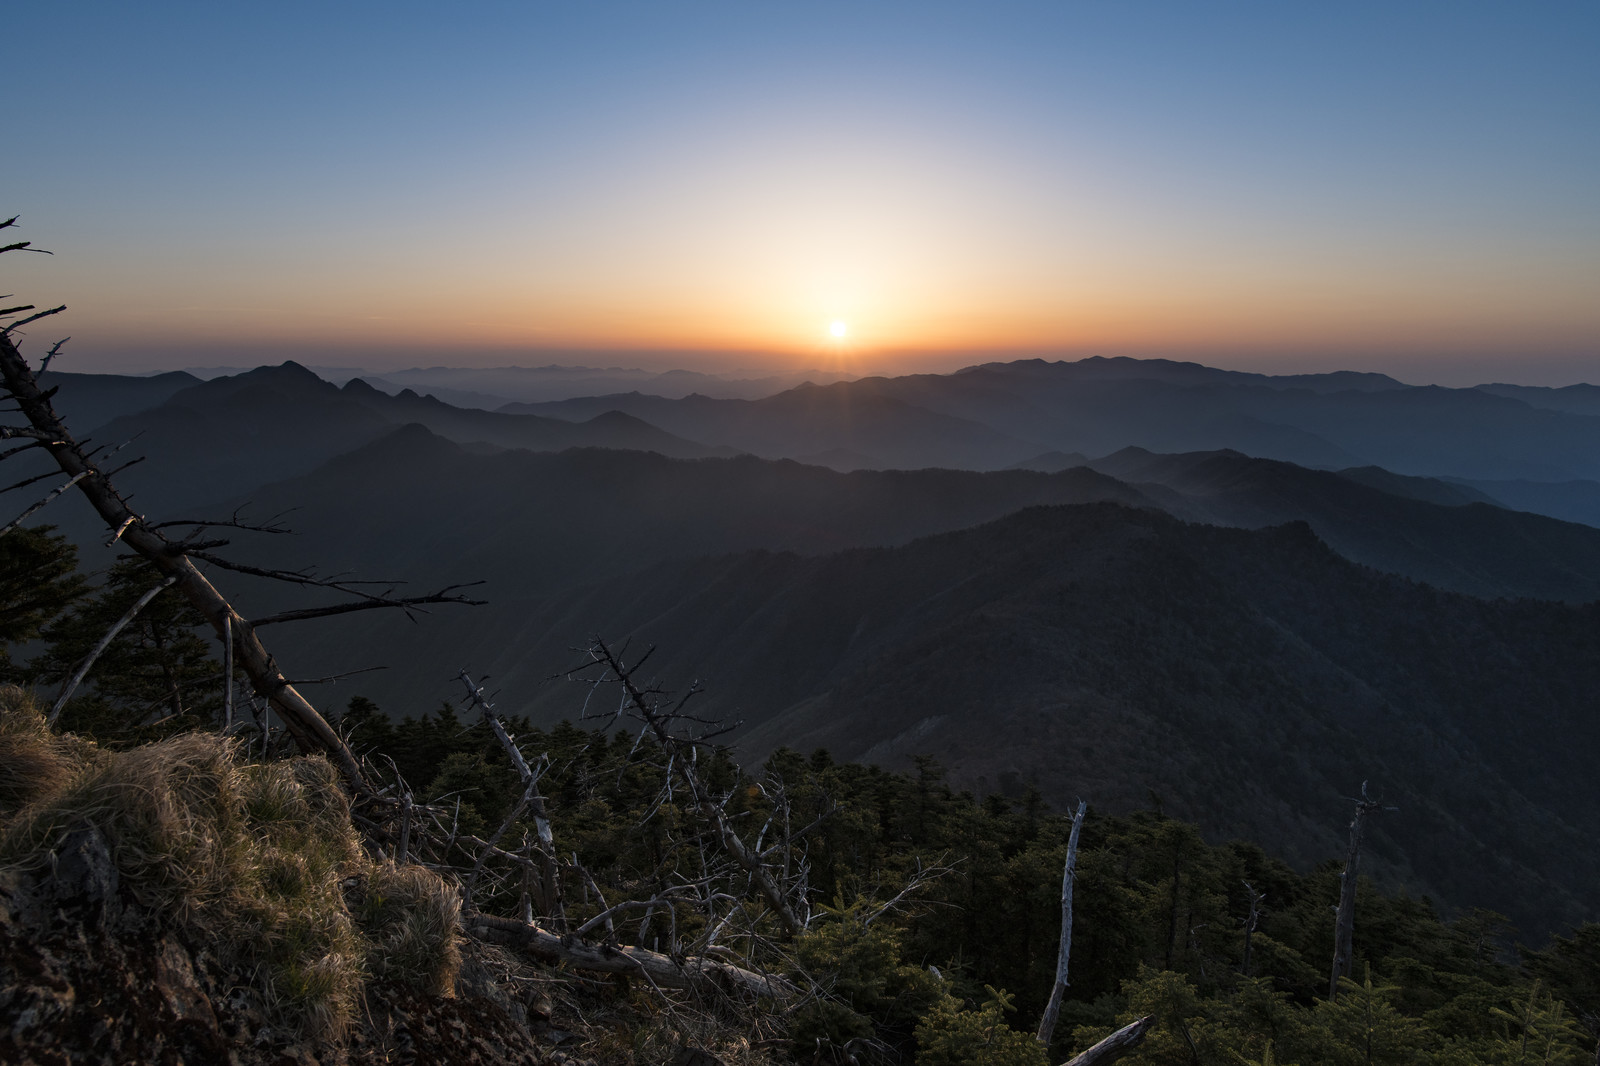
(1114,1046)
(666,971)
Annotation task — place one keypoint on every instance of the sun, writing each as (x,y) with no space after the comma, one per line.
(838,330)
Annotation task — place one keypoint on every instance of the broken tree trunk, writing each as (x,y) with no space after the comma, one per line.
(1251,921)
(1116,1045)
(665,971)
(1344,924)
(1069,875)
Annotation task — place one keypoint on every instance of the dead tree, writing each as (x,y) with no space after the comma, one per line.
(552,906)
(1069,876)
(177,560)
(1250,922)
(660,717)
(1344,925)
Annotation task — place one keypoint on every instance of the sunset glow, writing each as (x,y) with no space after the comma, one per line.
(708,186)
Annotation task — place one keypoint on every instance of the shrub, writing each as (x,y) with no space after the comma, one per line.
(950,1035)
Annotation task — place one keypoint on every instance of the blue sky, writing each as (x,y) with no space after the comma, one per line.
(1413,188)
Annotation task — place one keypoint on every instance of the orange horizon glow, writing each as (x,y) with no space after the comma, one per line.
(898,328)
(1046,180)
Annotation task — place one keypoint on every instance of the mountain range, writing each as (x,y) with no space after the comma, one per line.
(1529,438)
(935,565)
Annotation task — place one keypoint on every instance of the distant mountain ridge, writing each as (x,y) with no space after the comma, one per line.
(1251,678)
(1529,448)
(415,507)
(1098,406)
(211,439)
(1121,367)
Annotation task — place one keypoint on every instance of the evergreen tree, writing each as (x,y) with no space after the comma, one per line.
(158,676)
(38,580)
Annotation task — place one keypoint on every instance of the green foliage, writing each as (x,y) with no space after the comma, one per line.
(1364,1027)
(871,991)
(951,1035)
(1158,927)
(38,580)
(1570,968)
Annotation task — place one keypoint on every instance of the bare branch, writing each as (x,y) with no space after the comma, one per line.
(23,517)
(406,603)
(9,452)
(646,705)
(1069,877)
(25,482)
(33,317)
(336,678)
(666,899)
(231,522)
(554,905)
(55,349)
(104,642)
(12,432)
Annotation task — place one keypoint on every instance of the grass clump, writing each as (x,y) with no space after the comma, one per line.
(410,916)
(259,860)
(34,762)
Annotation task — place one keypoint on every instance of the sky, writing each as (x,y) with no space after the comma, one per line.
(1412,188)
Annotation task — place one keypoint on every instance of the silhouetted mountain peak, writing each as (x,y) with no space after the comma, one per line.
(618,420)
(286,373)
(408,446)
(289,379)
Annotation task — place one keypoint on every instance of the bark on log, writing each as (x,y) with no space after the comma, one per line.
(311,732)
(664,970)
(1116,1045)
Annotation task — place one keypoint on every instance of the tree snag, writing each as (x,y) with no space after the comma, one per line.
(1344,925)
(1069,875)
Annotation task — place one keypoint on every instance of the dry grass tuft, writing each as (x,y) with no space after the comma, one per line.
(34,762)
(291,907)
(413,919)
(169,810)
(258,859)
